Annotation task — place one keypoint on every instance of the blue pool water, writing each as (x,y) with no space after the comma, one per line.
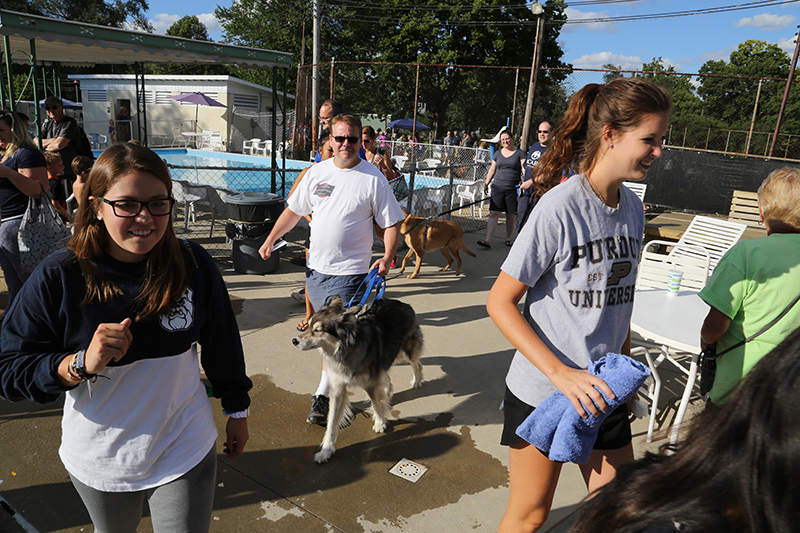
(229,171)
(248,173)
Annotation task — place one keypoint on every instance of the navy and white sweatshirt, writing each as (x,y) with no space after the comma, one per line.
(149,421)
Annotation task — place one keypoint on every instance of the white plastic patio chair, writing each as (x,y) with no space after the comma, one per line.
(694,262)
(427,202)
(188,194)
(249,146)
(264,148)
(399,160)
(178,138)
(638,188)
(216,199)
(716,235)
(98,140)
(469,194)
(214,141)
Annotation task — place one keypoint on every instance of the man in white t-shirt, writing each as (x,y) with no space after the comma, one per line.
(345,195)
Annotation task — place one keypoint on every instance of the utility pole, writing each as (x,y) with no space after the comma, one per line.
(538,10)
(315,75)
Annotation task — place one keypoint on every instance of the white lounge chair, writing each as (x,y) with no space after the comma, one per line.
(714,234)
(638,188)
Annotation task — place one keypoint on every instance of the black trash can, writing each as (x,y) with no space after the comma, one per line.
(251,216)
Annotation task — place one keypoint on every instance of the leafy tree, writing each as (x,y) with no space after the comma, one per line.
(272,25)
(99,12)
(731,99)
(686,103)
(611,76)
(399,35)
(189,27)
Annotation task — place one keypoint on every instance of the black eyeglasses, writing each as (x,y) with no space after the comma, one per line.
(130,208)
(341,139)
(51,107)
(544,131)
(366,141)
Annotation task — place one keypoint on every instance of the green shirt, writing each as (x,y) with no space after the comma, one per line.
(752,284)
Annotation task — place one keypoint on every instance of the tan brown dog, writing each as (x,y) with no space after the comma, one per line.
(422,236)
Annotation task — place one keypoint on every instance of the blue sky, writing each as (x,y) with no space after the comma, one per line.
(685,42)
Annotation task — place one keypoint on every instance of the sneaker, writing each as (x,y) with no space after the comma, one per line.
(319,410)
(300,296)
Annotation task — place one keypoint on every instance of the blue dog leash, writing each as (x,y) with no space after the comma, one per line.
(373,281)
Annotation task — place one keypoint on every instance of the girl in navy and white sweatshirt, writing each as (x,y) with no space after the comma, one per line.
(114,321)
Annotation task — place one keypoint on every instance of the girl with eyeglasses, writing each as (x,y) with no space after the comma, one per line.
(25,171)
(113,321)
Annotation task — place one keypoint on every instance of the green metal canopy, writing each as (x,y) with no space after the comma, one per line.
(80,44)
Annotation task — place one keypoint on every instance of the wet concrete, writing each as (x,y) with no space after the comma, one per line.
(451,425)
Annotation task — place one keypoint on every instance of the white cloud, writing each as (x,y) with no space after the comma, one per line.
(719,55)
(766,21)
(211,22)
(788,44)
(162,21)
(598,59)
(574,14)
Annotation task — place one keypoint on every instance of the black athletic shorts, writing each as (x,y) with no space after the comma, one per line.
(614,432)
(503,200)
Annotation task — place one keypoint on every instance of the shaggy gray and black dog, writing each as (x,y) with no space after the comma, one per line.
(359,346)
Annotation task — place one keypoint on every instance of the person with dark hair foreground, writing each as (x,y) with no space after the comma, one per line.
(137,421)
(737,469)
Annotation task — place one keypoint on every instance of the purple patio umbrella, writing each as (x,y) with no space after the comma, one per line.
(197,99)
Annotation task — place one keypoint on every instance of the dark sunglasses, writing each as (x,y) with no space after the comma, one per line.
(131,208)
(366,141)
(341,139)
(544,131)
(51,108)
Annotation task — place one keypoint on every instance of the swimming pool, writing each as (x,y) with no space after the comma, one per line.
(249,173)
(224,170)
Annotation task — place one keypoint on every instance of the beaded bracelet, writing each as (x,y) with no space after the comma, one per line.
(77,368)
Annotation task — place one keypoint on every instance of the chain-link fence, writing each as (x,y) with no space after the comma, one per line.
(726,114)
(248,125)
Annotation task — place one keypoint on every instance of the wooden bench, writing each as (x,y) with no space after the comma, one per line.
(744,208)
(670,226)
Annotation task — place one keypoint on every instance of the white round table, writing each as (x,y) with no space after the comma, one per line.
(674,322)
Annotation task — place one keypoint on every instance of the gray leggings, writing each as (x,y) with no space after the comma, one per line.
(180,506)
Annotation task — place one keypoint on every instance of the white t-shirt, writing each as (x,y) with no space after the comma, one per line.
(343,204)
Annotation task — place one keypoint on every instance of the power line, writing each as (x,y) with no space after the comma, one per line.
(354,4)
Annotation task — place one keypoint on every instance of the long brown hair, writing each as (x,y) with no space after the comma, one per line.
(169,265)
(576,139)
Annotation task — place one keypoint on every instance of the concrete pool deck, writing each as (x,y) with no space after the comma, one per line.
(451,425)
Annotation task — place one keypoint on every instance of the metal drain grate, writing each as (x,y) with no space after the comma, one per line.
(408,470)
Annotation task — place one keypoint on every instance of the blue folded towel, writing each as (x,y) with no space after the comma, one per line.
(556,428)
